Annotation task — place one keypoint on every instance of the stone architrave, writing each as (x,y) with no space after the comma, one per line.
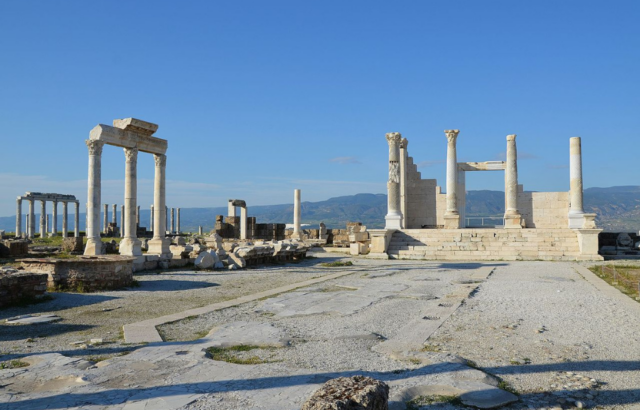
(393,219)
(451,215)
(576,209)
(512,217)
(296,214)
(130,244)
(94,244)
(159,244)
(65,219)
(18,217)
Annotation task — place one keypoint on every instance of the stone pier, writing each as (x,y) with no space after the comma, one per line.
(394,216)
(451,215)
(512,218)
(296,214)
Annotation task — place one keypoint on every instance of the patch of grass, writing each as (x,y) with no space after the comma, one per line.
(471,363)
(420,401)
(336,264)
(625,278)
(504,385)
(97,359)
(229,354)
(515,362)
(431,348)
(13,364)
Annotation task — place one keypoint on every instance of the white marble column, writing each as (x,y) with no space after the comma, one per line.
(32,218)
(130,245)
(76,221)
(243,222)
(576,209)
(231,209)
(394,216)
(173,223)
(114,216)
(451,215)
(296,214)
(511,215)
(65,219)
(122,221)
(54,219)
(177,220)
(94,244)
(151,224)
(105,218)
(404,143)
(18,217)
(43,218)
(159,244)
(137,217)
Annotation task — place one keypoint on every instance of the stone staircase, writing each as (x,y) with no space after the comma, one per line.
(485,244)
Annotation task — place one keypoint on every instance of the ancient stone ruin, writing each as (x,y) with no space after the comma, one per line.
(31,197)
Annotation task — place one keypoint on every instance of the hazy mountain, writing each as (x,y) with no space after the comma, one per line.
(618,209)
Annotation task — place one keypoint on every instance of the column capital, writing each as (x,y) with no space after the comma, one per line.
(452,135)
(160,159)
(404,143)
(131,154)
(94,146)
(393,138)
(19,199)
(511,137)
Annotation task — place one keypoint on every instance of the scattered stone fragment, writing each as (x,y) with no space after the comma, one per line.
(32,319)
(350,393)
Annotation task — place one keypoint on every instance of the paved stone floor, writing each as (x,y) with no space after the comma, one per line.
(553,332)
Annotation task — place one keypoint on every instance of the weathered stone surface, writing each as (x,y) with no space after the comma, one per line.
(72,244)
(350,393)
(204,261)
(19,285)
(33,319)
(14,247)
(238,260)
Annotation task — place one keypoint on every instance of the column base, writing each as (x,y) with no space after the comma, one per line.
(452,221)
(130,247)
(93,247)
(513,221)
(161,247)
(295,236)
(576,221)
(393,222)
(588,241)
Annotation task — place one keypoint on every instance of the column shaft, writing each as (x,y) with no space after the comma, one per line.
(32,218)
(576,207)
(296,214)
(65,219)
(512,177)
(18,217)
(173,225)
(122,221)
(151,223)
(159,245)
(54,219)
(114,216)
(403,180)
(451,215)
(130,245)
(243,222)
(105,218)
(177,220)
(76,221)
(394,215)
(43,219)
(94,244)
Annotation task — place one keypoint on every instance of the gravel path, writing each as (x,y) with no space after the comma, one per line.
(101,315)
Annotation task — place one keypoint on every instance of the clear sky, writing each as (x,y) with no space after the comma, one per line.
(257,98)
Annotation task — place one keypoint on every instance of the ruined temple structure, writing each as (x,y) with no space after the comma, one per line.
(424,223)
(245,227)
(31,197)
(133,136)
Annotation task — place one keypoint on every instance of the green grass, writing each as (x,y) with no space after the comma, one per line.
(97,359)
(625,278)
(13,364)
(228,354)
(421,401)
(336,264)
(431,348)
(504,385)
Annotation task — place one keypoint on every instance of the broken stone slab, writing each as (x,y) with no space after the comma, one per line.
(350,393)
(248,334)
(238,260)
(204,261)
(32,319)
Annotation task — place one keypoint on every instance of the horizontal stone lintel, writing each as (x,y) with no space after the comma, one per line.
(482,166)
(128,139)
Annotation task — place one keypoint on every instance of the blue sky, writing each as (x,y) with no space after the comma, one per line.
(258,98)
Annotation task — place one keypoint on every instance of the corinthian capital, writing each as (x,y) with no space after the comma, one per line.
(452,135)
(131,154)
(511,137)
(160,159)
(394,138)
(95,147)
(404,143)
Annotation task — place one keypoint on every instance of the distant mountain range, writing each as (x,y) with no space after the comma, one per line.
(618,209)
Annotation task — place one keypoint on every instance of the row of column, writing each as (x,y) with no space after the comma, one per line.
(30,222)
(452,220)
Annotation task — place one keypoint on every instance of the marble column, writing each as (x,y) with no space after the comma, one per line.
(32,218)
(76,221)
(46,227)
(159,244)
(151,219)
(451,215)
(43,218)
(173,225)
(243,222)
(137,216)
(200,230)
(394,215)
(177,220)
(27,224)
(166,217)
(576,207)
(122,221)
(296,214)
(54,219)
(404,143)
(105,218)
(18,217)
(130,245)
(65,219)
(114,216)
(231,209)
(94,244)
(511,216)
